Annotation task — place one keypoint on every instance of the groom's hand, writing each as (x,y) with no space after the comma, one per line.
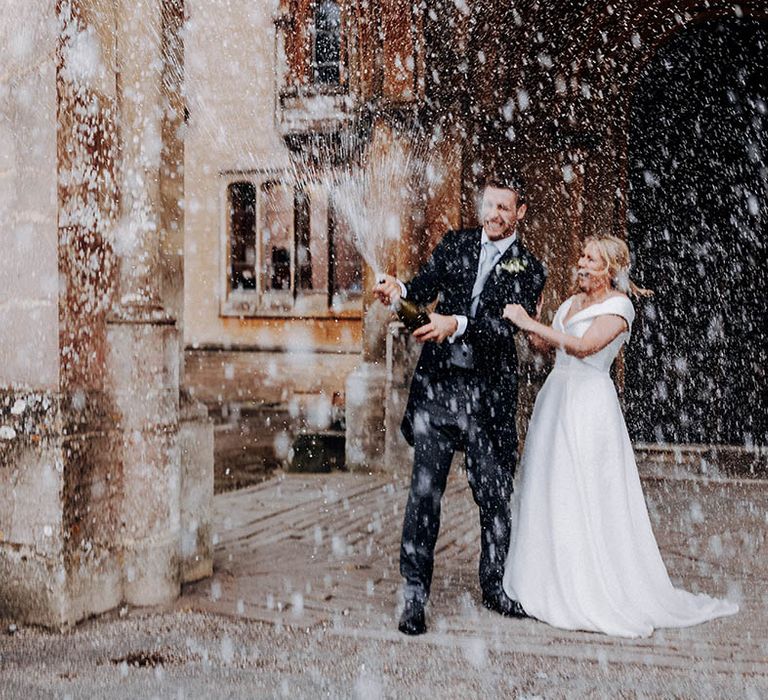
(387,289)
(438,329)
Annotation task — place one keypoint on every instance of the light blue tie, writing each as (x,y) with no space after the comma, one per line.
(488,257)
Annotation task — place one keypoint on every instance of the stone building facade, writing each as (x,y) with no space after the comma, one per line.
(261,326)
(553,87)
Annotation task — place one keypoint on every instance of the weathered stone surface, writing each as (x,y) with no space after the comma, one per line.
(150,516)
(365,410)
(142,365)
(142,368)
(34,587)
(261,376)
(196,453)
(152,570)
(30,500)
(58,528)
(402,355)
(28,202)
(151,498)
(94,584)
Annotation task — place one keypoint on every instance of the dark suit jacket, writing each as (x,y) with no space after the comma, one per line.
(448,276)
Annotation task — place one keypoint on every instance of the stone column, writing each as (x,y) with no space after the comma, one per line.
(195,427)
(143,343)
(365,390)
(90,456)
(196,453)
(59,479)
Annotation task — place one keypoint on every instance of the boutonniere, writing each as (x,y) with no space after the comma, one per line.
(512,266)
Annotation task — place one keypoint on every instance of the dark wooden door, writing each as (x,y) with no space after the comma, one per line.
(698,215)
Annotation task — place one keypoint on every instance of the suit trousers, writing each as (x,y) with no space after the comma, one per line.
(447,420)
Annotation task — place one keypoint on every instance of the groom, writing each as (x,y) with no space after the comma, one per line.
(464,390)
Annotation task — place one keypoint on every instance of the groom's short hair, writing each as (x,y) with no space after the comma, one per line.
(507,179)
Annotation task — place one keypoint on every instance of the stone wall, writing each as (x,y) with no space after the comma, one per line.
(253,376)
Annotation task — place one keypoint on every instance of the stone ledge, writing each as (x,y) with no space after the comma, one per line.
(712,461)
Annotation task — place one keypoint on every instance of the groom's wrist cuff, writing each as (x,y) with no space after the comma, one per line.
(462,326)
(403,289)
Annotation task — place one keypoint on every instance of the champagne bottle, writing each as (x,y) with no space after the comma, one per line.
(411,315)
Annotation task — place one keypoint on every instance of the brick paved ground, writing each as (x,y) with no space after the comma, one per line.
(303,604)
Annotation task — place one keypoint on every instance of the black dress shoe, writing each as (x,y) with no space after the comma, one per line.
(504,605)
(412,620)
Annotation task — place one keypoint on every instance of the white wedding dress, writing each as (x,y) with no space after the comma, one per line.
(583,555)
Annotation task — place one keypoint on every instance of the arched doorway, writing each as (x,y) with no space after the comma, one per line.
(698,220)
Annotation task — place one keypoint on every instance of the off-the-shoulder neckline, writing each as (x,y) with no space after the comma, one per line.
(567,321)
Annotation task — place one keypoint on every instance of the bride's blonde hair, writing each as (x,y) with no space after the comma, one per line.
(615,255)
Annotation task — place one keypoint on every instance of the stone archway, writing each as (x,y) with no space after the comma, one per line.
(697,163)
(576,139)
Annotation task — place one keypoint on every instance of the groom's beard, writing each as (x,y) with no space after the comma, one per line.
(499,230)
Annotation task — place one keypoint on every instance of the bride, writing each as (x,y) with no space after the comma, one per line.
(583,555)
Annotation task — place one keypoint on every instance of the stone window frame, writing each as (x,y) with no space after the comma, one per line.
(255,303)
(303,105)
(296,46)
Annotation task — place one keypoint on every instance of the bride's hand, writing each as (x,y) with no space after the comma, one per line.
(518,315)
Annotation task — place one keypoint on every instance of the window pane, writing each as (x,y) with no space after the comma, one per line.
(276,227)
(242,235)
(326,48)
(328,17)
(318,240)
(304,279)
(327,75)
(326,57)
